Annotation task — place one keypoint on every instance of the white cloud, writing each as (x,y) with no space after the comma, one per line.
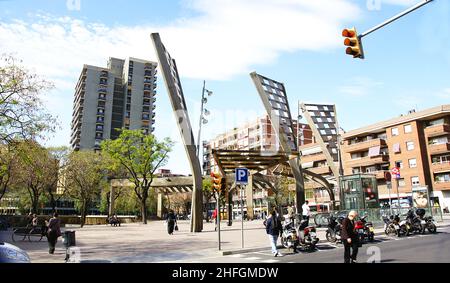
(359,87)
(444,94)
(226,38)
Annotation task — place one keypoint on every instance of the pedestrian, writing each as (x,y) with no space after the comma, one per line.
(306,212)
(53,232)
(274,229)
(350,238)
(214,217)
(34,222)
(29,220)
(171,222)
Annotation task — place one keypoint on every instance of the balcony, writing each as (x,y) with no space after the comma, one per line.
(312,158)
(368,161)
(441,186)
(320,170)
(439,148)
(437,130)
(365,145)
(440,167)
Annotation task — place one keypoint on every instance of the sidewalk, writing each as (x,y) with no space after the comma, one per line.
(138,243)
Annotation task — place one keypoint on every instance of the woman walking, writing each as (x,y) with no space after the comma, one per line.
(53,233)
(171,222)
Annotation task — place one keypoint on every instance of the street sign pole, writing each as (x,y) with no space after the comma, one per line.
(242,215)
(389,186)
(218,218)
(397,178)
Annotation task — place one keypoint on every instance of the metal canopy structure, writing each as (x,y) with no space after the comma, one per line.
(171,77)
(322,120)
(274,97)
(255,161)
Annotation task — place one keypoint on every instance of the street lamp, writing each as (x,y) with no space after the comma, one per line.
(203,112)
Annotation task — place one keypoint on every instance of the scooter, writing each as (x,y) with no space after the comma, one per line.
(307,236)
(333,233)
(365,230)
(289,237)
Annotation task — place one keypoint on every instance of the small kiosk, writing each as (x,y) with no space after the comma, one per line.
(359,192)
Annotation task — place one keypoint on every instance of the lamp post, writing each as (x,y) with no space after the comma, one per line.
(203,112)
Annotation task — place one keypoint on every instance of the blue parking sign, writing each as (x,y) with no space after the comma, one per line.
(241,176)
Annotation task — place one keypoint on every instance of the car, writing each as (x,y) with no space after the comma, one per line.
(12,254)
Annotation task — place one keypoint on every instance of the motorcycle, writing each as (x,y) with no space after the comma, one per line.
(394,226)
(365,230)
(289,237)
(333,233)
(416,224)
(307,236)
(427,223)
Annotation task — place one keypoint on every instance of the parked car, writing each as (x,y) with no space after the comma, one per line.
(12,254)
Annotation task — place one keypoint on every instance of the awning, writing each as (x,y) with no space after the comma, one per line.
(307,165)
(374,151)
(396,148)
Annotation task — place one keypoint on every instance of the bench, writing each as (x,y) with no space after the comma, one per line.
(30,233)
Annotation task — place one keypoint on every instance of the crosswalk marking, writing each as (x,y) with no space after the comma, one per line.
(270,261)
(253,258)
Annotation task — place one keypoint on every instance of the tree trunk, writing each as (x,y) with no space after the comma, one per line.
(52,203)
(144,210)
(35,204)
(108,203)
(83,213)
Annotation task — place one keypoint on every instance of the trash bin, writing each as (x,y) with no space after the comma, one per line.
(69,239)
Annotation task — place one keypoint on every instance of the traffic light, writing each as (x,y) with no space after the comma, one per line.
(353,41)
(217,181)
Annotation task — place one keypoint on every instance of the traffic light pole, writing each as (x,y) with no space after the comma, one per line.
(412,9)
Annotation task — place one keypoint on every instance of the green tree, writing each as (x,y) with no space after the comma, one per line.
(34,171)
(7,161)
(85,176)
(56,166)
(280,190)
(141,155)
(22,114)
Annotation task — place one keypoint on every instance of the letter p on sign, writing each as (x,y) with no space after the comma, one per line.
(241,176)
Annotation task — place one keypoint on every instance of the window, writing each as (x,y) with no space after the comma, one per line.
(413,163)
(410,145)
(415,181)
(399,164)
(401,182)
(408,129)
(394,131)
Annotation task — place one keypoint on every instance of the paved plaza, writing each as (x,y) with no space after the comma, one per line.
(138,243)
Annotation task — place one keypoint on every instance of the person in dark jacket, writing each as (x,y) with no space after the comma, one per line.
(274,229)
(171,222)
(350,238)
(54,232)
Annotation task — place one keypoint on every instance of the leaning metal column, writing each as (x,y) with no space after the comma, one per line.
(171,77)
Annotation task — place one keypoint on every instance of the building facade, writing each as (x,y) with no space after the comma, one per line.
(123,95)
(417,143)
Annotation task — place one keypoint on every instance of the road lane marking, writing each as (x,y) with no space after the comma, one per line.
(270,261)
(253,258)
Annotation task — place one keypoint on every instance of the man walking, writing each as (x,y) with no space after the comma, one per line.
(273,229)
(306,212)
(350,238)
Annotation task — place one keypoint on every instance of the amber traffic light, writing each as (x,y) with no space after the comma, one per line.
(217,181)
(353,43)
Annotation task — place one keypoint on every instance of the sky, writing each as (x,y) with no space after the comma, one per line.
(297,42)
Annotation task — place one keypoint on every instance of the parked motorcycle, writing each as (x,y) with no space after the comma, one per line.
(289,236)
(333,233)
(416,224)
(427,223)
(394,226)
(307,236)
(365,230)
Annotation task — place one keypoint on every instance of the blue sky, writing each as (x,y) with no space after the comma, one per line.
(297,42)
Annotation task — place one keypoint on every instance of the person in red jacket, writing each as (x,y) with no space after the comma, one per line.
(350,238)
(214,216)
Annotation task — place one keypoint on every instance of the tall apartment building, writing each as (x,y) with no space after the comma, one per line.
(418,143)
(106,99)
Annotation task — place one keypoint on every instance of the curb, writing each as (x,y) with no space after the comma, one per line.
(258,249)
